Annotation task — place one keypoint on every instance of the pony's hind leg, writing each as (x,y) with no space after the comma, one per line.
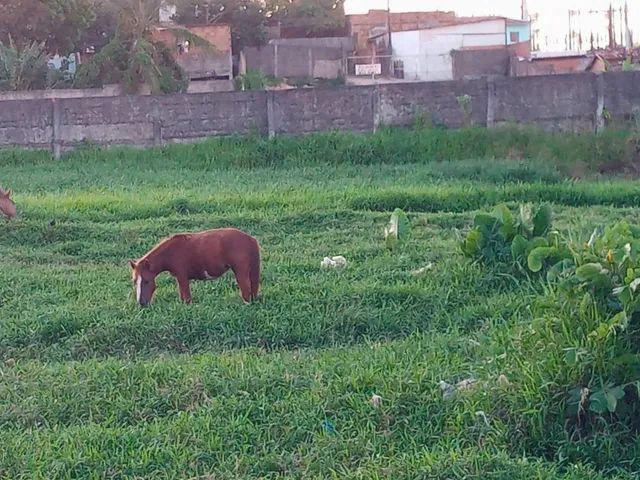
(244,282)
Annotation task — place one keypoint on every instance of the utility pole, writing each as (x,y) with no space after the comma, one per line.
(612,40)
(622,31)
(391,69)
(524,10)
(626,25)
(389,22)
(569,39)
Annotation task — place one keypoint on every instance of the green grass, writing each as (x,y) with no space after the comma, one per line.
(93,387)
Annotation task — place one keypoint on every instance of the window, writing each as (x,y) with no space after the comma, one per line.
(514,37)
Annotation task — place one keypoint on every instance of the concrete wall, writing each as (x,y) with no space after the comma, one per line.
(316,109)
(400,104)
(469,64)
(553,102)
(621,94)
(348,44)
(197,86)
(575,102)
(295,60)
(106,91)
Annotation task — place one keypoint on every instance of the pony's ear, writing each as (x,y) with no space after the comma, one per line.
(8,193)
(132,263)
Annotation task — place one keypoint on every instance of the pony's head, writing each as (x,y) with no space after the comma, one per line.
(144,281)
(7,207)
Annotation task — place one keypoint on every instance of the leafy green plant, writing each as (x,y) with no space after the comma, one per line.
(596,283)
(525,241)
(398,230)
(255,80)
(133,64)
(607,267)
(23,67)
(134,57)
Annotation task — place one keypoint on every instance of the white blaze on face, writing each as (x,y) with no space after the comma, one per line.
(138,287)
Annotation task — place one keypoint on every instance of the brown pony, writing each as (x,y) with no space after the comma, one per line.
(7,207)
(200,256)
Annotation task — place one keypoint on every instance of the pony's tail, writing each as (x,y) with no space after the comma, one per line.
(254,273)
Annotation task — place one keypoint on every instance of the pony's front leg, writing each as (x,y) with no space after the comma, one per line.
(185,289)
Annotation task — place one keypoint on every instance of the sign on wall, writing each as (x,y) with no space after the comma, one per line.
(369,69)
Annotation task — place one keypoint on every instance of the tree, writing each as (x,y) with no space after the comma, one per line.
(247,19)
(310,15)
(132,58)
(70,22)
(24,21)
(61,25)
(22,68)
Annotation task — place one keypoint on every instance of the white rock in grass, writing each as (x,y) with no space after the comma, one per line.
(482,415)
(376,400)
(466,384)
(422,270)
(448,390)
(503,381)
(334,262)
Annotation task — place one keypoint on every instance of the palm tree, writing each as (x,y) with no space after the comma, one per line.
(132,58)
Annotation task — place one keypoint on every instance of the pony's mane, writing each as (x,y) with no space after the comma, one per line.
(160,246)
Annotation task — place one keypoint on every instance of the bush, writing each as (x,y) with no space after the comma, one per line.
(586,327)
(23,68)
(254,80)
(525,241)
(133,64)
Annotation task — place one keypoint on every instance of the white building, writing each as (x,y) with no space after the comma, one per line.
(426,54)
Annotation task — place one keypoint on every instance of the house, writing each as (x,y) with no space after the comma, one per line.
(364,27)
(518,33)
(210,69)
(427,54)
(558,63)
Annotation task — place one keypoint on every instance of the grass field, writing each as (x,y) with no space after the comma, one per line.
(94,387)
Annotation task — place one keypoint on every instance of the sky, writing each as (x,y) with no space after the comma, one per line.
(553,19)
